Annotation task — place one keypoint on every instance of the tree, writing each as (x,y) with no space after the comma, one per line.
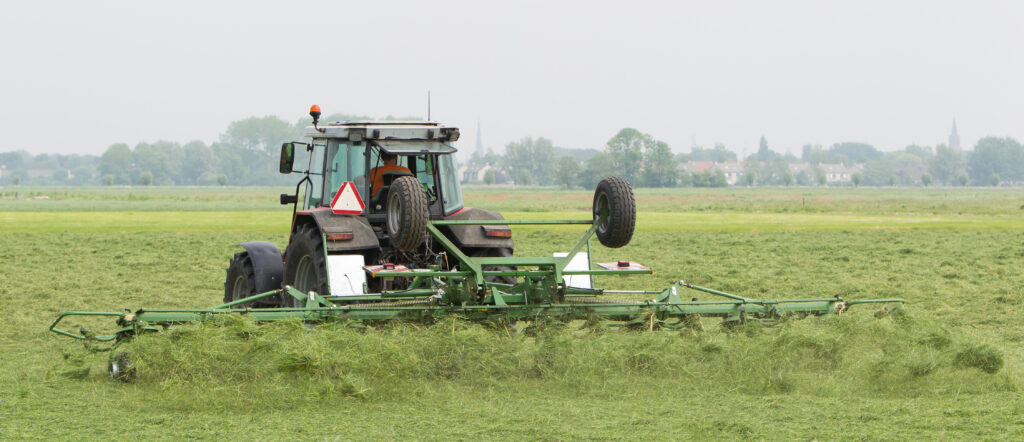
(162,159)
(947,164)
(907,168)
(659,165)
(749,177)
(489,177)
(962,179)
(764,153)
(813,154)
(994,180)
(16,180)
(146,178)
(926,180)
(108,180)
(198,164)
(568,171)
(598,168)
(999,156)
(857,178)
(259,133)
(626,149)
(116,161)
(222,179)
(534,156)
(787,178)
(853,152)
(719,154)
(524,177)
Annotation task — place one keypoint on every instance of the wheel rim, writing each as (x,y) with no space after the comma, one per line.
(305,275)
(240,289)
(602,203)
(394,213)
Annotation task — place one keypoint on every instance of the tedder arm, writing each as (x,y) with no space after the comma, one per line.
(436,293)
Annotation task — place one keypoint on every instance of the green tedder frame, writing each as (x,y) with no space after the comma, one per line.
(435,293)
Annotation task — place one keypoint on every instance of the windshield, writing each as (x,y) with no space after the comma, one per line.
(344,163)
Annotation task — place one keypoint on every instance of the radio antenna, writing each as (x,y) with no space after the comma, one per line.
(428,105)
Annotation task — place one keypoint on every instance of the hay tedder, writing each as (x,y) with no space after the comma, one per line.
(413,252)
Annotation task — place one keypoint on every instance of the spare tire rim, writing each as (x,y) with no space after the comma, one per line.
(394,213)
(305,275)
(602,203)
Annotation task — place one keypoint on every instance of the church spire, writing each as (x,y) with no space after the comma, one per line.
(954,137)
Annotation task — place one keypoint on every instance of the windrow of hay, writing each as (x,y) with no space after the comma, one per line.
(895,355)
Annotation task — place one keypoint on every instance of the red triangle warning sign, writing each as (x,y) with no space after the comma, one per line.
(347,200)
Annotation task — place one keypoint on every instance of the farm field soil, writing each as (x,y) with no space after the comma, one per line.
(948,365)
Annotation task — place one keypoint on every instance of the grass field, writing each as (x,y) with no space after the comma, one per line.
(948,365)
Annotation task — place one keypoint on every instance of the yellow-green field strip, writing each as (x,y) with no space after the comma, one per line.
(272,221)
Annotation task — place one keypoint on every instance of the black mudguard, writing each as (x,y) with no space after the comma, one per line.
(473,236)
(363,237)
(268,266)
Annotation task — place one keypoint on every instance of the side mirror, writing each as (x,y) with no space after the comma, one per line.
(288,199)
(287,157)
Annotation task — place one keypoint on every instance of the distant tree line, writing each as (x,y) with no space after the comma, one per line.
(247,151)
(648,162)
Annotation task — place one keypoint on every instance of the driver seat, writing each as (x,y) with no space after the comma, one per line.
(386,178)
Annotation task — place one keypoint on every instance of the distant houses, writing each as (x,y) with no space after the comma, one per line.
(735,170)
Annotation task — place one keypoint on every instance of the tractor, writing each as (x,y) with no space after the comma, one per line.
(329,246)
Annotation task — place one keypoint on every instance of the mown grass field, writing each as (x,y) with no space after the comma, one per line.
(920,372)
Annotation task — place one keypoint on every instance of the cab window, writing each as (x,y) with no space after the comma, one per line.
(450,184)
(344,163)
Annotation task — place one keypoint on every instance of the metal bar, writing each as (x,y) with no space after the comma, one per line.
(414,293)
(474,267)
(53,326)
(499,222)
(875,301)
(716,292)
(249,299)
(386,274)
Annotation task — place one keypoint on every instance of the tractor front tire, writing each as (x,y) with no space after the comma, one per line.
(241,279)
(615,195)
(407,213)
(305,265)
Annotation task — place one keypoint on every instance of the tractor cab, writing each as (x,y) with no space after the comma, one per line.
(369,195)
(372,155)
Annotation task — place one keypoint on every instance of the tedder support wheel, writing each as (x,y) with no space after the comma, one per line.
(241,279)
(121,368)
(406,213)
(615,194)
(305,265)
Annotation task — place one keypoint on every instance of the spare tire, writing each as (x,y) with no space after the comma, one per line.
(406,213)
(615,195)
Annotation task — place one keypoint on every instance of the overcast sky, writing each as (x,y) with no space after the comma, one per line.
(79,76)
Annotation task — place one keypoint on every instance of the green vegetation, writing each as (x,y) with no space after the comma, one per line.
(948,365)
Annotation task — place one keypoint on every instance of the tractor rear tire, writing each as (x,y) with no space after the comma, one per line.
(305,266)
(407,213)
(241,280)
(496,252)
(616,195)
